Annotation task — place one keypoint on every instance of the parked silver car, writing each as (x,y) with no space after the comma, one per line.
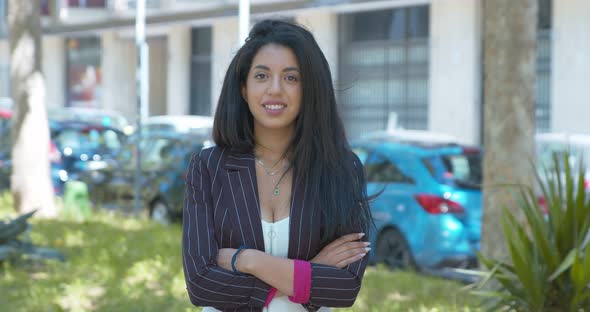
(576,144)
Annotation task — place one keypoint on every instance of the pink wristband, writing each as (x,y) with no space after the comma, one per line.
(301,282)
(271,295)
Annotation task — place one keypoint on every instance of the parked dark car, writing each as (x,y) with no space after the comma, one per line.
(84,145)
(429,214)
(164,160)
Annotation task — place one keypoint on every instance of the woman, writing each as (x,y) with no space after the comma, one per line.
(275,213)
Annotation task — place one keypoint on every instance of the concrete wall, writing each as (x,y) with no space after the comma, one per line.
(455,69)
(570,79)
(158,75)
(54,69)
(324,26)
(224,46)
(179,56)
(119,60)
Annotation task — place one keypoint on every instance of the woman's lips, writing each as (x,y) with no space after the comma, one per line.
(274,108)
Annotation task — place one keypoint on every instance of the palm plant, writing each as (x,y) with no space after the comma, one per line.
(549,255)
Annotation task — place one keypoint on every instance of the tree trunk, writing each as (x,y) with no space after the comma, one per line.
(30,180)
(510,33)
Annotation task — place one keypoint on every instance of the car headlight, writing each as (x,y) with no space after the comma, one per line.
(96,165)
(63,175)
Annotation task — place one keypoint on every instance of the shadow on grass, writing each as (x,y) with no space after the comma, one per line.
(112,265)
(386,290)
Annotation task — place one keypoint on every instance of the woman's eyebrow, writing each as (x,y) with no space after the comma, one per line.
(291,69)
(287,69)
(263,67)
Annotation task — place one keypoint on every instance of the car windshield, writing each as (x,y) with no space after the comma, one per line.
(462,170)
(94,139)
(105,118)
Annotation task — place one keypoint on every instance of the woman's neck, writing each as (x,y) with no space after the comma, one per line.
(271,145)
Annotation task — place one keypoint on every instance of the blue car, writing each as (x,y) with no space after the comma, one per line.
(429,213)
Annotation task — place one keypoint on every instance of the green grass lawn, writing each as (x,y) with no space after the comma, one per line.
(118,263)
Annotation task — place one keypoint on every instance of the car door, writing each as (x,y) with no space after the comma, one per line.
(176,164)
(150,167)
(159,167)
(396,204)
(112,187)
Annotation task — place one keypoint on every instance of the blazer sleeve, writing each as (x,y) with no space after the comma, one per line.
(335,287)
(207,284)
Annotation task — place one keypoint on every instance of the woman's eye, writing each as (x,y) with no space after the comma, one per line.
(260,76)
(291,78)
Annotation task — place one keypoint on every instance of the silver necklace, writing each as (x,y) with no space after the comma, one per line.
(272,174)
(268,170)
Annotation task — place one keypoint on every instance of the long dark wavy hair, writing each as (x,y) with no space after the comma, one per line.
(319,152)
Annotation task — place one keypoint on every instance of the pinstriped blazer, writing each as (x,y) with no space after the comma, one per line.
(221,210)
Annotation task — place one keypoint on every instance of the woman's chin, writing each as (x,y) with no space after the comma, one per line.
(275,125)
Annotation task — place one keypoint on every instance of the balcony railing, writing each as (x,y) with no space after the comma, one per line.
(84,11)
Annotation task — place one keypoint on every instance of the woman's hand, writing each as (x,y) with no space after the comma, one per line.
(224,256)
(343,251)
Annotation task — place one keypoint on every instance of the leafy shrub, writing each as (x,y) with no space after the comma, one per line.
(549,256)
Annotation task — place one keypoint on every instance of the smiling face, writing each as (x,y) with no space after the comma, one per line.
(273,89)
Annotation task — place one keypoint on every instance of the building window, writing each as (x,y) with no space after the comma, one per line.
(45,11)
(383,69)
(86,3)
(84,74)
(543,87)
(201,72)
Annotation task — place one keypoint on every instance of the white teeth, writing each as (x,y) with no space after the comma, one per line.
(274,106)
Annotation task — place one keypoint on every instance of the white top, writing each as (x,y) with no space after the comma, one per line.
(276,243)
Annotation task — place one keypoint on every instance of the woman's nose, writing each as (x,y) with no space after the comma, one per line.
(274,85)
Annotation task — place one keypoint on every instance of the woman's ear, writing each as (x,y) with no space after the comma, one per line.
(244,94)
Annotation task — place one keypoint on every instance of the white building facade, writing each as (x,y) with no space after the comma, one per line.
(418,60)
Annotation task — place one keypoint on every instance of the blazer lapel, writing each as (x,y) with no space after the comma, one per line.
(241,198)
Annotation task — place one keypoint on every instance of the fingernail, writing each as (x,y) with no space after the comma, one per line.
(367,244)
(367,249)
(362,255)
(361,235)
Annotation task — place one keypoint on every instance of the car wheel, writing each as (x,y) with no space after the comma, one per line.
(160,213)
(393,250)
